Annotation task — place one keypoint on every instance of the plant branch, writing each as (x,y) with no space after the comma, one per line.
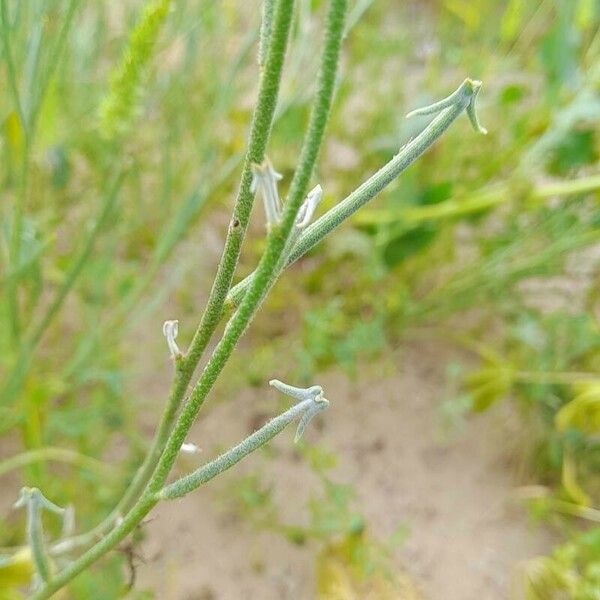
(228,459)
(260,131)
(259,134)
(34,502)
(238,324)
(276,242)
(461,99)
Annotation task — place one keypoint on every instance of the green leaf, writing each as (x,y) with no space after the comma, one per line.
(582,413)
(577,149)
(408,244)
(488,385)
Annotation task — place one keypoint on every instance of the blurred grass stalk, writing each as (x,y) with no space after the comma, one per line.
(62,455)
(26,343)
(27,109)
(31,415)
(117,112)
(481,201)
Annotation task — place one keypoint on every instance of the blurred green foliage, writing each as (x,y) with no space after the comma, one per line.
(572,571)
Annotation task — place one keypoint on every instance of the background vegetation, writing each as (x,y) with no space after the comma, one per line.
(112,218)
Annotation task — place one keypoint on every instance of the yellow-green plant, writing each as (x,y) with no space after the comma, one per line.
(559,398)
(116,113)
(118,108)
(571,571)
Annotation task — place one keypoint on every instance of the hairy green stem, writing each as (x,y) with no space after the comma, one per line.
(240,321)
(275,245)
(35,539)
(137,485)
(129,523)
(259,134)
(265,30)
(228,459)
(314,233)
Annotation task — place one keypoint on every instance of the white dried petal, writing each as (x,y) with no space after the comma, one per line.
(189,448)
(309,206)
(319,405)
(170,330)
(265,180)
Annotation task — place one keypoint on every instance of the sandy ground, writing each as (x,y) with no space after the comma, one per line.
(455,494)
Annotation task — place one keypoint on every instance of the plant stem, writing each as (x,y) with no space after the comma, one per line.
(49,71)
(275,244)
(228,459)
(571,187)
(314,233)
(481,200)
(240,321)
(34,502)
(35,539)
(259,134)
(129,523)
(133,491)
(15,243)
(265,30)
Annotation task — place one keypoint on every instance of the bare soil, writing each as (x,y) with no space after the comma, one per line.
(455,494)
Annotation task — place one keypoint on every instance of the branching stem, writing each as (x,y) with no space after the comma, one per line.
(238,324)
(284,245)
(451,109)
